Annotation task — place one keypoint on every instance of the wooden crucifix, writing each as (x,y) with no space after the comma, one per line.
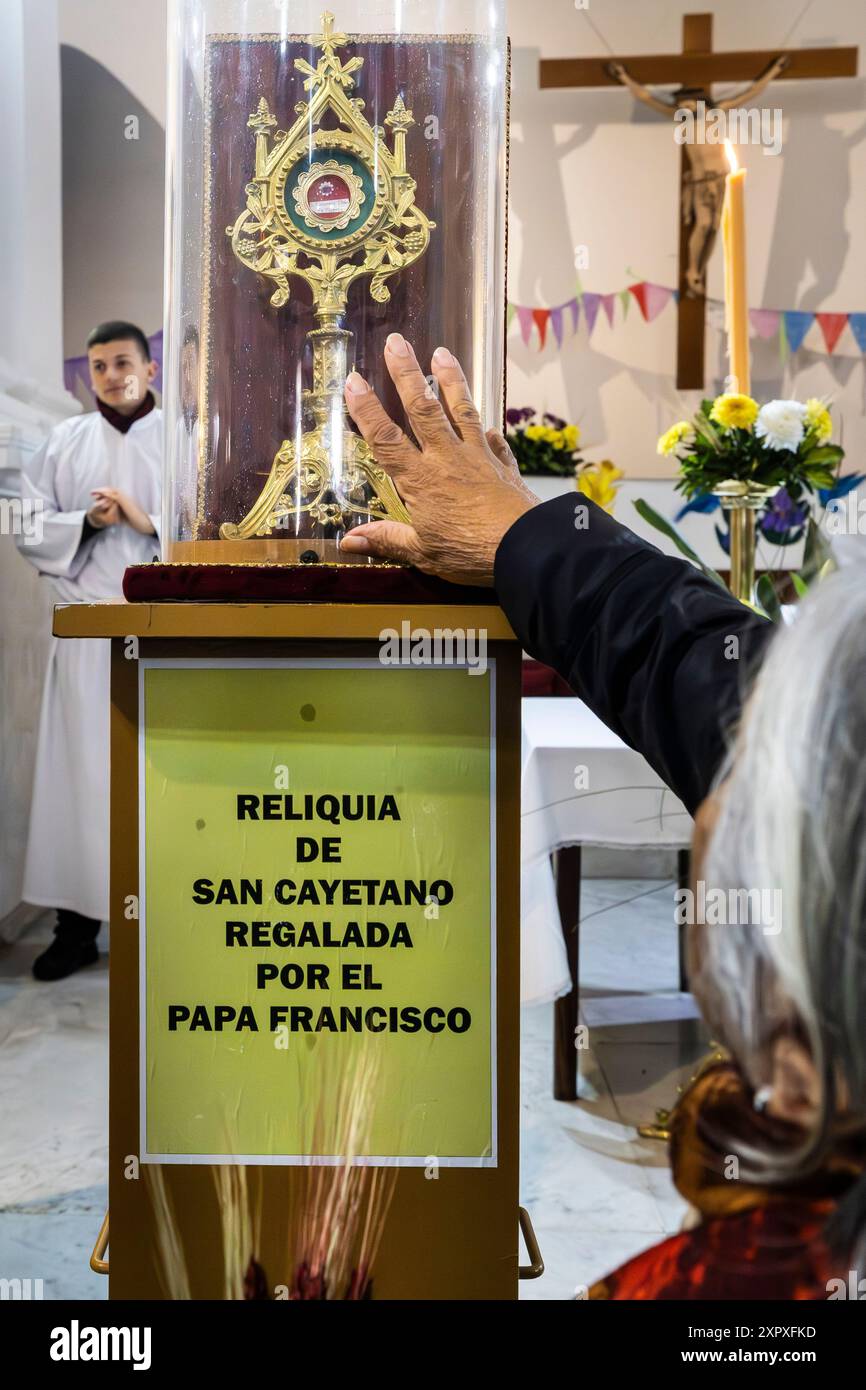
(703,165)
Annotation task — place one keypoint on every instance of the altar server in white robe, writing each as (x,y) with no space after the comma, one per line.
(95,485)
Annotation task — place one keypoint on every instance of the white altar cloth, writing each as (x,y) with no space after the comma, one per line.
(581,785)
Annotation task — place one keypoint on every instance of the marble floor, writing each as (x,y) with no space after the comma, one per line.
(596,1193)
(54,1107)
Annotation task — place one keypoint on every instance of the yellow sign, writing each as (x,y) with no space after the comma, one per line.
(317,863)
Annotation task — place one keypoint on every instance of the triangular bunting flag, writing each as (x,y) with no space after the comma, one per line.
(540,317)
(797,325)
(591,304)
(831,326)
(857,324)
(792,325)
(765,322)
(655,299)
(524,318)
(639,292)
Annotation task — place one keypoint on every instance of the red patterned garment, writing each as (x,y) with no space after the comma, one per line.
(752,1242)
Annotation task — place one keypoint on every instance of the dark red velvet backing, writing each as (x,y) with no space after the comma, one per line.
(292,584)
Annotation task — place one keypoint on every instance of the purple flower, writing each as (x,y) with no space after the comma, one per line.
(516,416)
(554,422)
(783,514)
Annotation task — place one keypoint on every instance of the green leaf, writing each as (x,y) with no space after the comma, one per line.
(816,554)
(765,592)
(821,477)
(661,523)
(707,430)
(826,453)
(827,568)
(799,584)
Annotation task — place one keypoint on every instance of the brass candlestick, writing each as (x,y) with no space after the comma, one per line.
(328,206)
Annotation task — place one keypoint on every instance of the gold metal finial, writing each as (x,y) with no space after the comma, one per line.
(329,66)
(327,39)
(261,121)
(400,117)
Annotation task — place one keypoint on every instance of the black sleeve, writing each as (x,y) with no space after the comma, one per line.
(661,653)
(87,531)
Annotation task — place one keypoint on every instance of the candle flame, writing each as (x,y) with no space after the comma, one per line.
(733,162)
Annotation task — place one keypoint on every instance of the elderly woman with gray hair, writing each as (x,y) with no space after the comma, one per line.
(769,1147)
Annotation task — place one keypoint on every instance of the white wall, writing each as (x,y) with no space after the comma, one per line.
(32,398)
(30,239)
(128,38)
(595,168)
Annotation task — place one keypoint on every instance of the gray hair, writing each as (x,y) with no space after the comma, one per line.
(792,818)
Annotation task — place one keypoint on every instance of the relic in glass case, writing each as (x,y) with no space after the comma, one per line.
(332,179)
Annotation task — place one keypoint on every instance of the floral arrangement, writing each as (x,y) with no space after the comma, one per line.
(783,445)
(549,447)
(784,450)
(543,446)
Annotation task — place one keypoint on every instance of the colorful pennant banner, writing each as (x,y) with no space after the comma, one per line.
(789,325)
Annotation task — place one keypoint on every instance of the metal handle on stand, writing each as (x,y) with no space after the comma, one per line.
(536,1268)
(98,1263)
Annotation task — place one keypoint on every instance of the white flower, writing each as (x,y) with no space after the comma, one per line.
(781,424)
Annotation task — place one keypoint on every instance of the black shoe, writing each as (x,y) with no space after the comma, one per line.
(63,958)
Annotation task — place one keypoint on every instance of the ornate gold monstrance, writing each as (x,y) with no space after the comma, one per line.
(328,205)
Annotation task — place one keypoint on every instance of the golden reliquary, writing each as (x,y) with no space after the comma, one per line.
(329,203)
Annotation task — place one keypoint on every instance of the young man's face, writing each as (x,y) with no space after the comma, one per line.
(120,374)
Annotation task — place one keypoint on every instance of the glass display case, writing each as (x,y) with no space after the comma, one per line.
(332,178)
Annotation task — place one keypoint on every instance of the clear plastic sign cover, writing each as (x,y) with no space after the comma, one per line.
(333,177)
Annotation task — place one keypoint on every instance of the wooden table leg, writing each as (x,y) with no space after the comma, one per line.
(565,1017)
(684,873)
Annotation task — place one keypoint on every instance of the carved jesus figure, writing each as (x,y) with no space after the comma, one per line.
(703,190)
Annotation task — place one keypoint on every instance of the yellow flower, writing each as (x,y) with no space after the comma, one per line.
(734,412)
(681,433)
(818,420)
(557,439)
(598,482)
